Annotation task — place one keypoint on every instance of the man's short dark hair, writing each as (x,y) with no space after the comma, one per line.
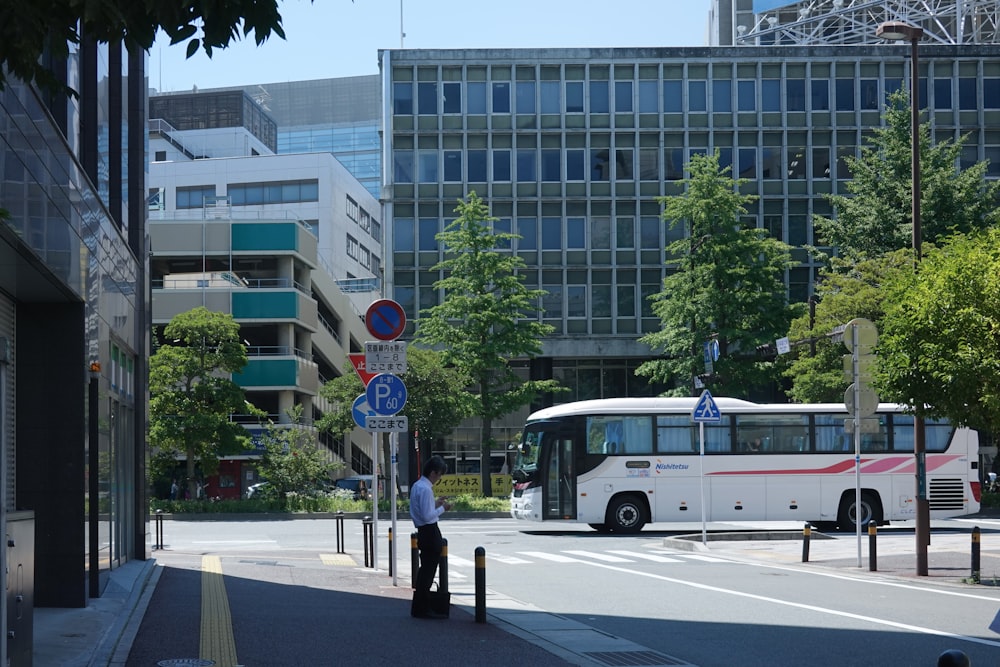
(435,464)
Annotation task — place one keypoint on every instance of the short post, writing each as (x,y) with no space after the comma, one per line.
(391,559)
(480,585)
(806,532)
(414,560)
(872,546)
(339,529)
(369,541)
(159,530)
(443,566)
(975,554)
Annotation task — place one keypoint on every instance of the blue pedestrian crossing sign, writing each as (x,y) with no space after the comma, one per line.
(705,410)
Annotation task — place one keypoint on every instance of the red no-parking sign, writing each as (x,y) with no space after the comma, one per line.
(385,319)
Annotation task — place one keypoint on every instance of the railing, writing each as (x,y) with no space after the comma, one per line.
(329,327)
(276,351)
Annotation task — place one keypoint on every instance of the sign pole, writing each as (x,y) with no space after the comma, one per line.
(393,444)
(701,479)
(375,499)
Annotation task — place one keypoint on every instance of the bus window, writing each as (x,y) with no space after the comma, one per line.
(772,433)
(619,435)
(937,434)
(718,437)
(673,435)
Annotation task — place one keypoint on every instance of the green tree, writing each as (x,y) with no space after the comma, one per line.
(340,393)
(192,397)
(487,318)
(293,460)
(875,216)
(437,400)
(938,350)
(816,371)
(31,30)
(726,282)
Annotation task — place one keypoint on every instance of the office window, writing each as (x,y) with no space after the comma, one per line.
(649,164)
(673,164)
(697,96)
(649,233)
(746,95)
(527,229)
(452,97)
(550,97)
(722,96)
(475,102)
(626,301)
(870,100)
(551,233)
(821,163)
(820,92)
(623,97)
(551,167)
(747,163)
(526,165)
(576,297)
(552,304)
(402,99)
(502,226)
(992,155)
(575,170)
(427,98)
(673,97)
(525,97)
(600,300)
(625,233)
(600,170)
(725,158)
(501,165)
(194,196)
(771,163)
(452,166)
(648,97)
(796,166)
(574,97)
(476,166)
(576,233)
(600,233)
(795,94)
(280,192)
(770,95)
(501,97)
(352,247)
(353,210)
(599,102)
(402,166)
(427,229)
(942,93)
(845,94)
(427,162)
(624,164)
(991,93)
(967,94)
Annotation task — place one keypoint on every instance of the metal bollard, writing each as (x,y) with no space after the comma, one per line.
(975,554)
(369,541)
(872,547)
(414,560)
(391,559)
(339,529)
(159,530)
(806,532)
(443,566)
(480,585)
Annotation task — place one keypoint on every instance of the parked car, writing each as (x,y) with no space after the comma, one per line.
(360,485)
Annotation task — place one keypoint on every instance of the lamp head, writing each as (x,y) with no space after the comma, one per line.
(898,30)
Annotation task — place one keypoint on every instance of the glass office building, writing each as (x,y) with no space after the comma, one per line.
(571,147)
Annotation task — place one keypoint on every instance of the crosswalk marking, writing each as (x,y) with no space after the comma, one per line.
(458,560)
(553,557)
(653,557)
(599,556)
(509,560)
(706,559)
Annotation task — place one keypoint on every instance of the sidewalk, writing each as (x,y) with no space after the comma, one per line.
(102,634)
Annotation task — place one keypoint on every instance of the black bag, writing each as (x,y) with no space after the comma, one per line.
(440,602)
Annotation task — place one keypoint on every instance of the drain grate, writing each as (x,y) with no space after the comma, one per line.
(633,658)
(185,662)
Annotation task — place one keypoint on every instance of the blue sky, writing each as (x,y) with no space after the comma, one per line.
(334,38)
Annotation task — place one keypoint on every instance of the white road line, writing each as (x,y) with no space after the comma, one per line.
(507,560)
(799,605)
(598,556)
(653,557)
(458,560)
(707,559)
(235,542)
(552,557)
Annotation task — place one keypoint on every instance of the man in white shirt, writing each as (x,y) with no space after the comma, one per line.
(425,510)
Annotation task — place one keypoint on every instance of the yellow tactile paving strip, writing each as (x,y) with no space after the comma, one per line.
(337,559)
(217,642)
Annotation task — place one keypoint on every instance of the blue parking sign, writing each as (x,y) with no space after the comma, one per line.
(386,394)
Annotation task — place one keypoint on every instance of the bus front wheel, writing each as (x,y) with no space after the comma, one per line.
(849,514)
(626,514)
(600,527)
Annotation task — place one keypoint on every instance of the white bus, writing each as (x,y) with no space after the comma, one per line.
(618,464)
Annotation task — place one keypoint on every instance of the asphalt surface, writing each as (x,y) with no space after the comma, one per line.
(346,613)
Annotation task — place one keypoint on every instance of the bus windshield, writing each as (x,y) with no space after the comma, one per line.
(526,462)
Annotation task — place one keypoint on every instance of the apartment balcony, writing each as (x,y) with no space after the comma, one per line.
(279,368)
(274,300)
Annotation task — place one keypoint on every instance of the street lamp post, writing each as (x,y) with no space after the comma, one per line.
(898,31)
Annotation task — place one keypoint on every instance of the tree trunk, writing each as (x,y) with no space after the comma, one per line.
(485,447)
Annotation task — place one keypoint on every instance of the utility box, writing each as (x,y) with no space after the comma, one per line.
(20,586)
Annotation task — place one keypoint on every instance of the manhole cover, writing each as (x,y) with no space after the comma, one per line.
(185,662)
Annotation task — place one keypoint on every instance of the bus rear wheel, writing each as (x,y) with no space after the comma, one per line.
(626,514)
(849,514)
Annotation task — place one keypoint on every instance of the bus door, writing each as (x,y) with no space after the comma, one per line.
(557,470)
